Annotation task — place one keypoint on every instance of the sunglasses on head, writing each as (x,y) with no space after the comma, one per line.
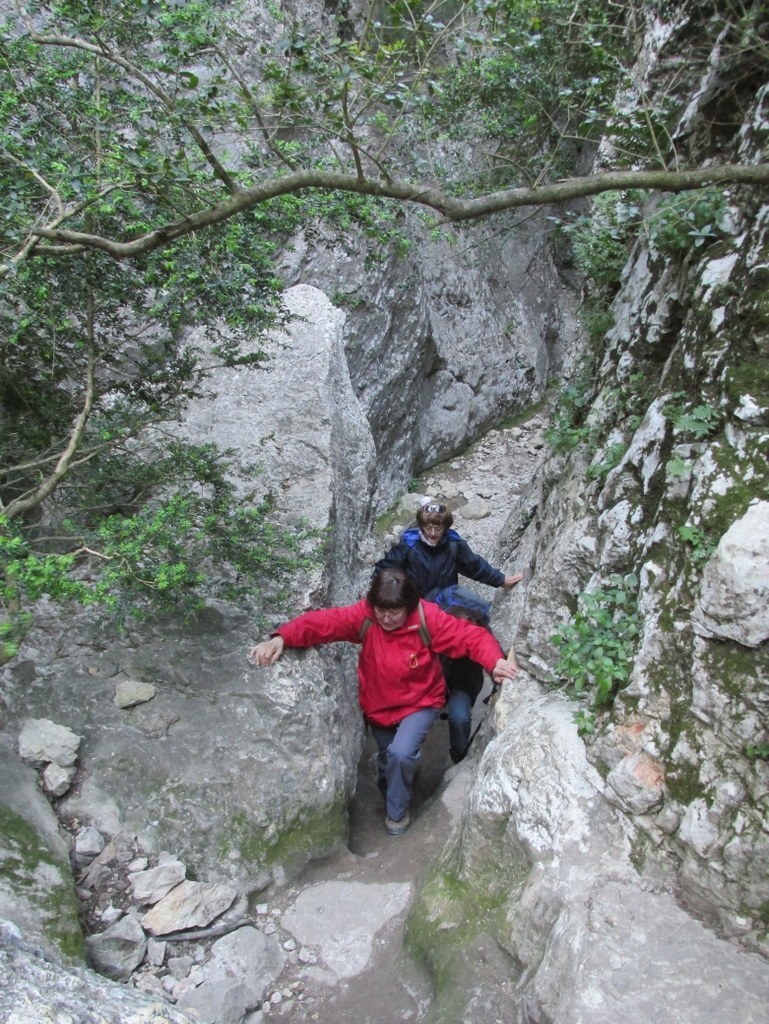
(433,508)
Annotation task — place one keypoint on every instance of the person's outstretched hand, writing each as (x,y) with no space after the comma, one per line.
(510,581)
(267,652)
(504,669)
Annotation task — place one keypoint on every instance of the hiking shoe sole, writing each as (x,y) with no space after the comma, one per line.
(397,828)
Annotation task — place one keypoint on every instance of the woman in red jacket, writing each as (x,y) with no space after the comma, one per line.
(401,688)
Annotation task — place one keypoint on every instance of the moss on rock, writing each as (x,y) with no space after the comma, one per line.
(30,874)
(314,833)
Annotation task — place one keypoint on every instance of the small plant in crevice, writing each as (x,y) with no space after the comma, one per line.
(585,723)
(567,429)
(597,646)
(699,421)
(611,458)
(757,751)
(699,543)
(677,467)
(596,319)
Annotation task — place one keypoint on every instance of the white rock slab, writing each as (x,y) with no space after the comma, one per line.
(41,741)
(153,884)
(734,596)
(342,920)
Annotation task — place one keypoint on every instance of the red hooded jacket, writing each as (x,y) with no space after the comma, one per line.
(397,673)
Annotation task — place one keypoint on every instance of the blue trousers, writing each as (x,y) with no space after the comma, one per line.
(460,714)
(400,748)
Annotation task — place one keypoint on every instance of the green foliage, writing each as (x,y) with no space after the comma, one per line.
(585,723)
(758,751)
(601,239)
(172,554)
(678,467)
(597,646)
(533,80)
(24,577)
(612,457)
(597,320)
(567,429)
(683,222)
(181,545)
(700,422)
(702,547)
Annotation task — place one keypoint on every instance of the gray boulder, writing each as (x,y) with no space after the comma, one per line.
(734,596)
(243,965)
(118,950)
(590,937)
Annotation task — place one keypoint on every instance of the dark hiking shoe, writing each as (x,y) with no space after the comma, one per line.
(455,756)
(397,828)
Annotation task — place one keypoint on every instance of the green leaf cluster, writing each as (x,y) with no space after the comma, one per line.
(688,221)
(597,646)
(25,576)
(601,240)
(181,537)
(700,543)
(612,458)
(567,429)
(534,81)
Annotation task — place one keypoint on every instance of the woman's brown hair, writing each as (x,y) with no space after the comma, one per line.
(392,588)
(435,513)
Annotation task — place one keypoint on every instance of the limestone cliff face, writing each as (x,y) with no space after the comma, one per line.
(657,496)
(444,342)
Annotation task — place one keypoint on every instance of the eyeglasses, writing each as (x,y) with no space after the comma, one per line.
(433,508)
(389,614)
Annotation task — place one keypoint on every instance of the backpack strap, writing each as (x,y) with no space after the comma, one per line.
(424,632)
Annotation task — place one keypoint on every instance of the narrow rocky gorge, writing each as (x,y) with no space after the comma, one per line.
(209,836)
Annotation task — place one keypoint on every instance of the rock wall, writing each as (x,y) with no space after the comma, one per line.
(659,495)
(245,775)
(446,340)
(683,511)
(544,867)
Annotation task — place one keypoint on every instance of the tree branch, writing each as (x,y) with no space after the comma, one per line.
(449,207)
(152,87)
(33,498)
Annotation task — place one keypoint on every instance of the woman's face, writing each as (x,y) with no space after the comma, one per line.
(433,532)
(390,618)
